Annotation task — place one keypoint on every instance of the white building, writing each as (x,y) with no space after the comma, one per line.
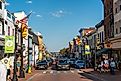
(7,27)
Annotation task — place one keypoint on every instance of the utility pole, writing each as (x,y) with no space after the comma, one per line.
(28,52)
(15,56)
(22,73)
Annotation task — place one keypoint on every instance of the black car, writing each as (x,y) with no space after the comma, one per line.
(63,64)
(41,64)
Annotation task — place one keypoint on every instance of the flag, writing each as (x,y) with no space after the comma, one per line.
(25,19)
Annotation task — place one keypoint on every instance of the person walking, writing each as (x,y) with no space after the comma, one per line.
(112,66)
(3,72)
(6,62)
(106,65)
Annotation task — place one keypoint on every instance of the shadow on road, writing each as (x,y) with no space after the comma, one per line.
(88,76)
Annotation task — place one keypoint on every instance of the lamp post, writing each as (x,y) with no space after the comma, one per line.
(15,54)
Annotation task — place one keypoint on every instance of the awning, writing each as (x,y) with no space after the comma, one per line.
(104,50)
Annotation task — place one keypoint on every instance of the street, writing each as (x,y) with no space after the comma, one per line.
(63,75)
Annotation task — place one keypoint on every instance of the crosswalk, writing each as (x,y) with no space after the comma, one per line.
(58,72)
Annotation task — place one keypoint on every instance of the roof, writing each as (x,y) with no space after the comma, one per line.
(100,24)
(86,29)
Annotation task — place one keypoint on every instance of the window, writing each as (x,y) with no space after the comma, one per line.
(8,30)
(0,5)
(6,22)
(8,14)
(13,32)
(120,7)
(116,10)
(102,36)
(13,18)
(116,31)
(120,29)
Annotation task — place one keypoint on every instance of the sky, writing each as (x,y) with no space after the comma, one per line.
(59,20)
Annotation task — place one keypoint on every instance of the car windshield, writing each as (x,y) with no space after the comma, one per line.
(43,62)
(80,61)
(63,62)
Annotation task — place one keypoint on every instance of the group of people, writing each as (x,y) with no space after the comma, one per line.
(107,65)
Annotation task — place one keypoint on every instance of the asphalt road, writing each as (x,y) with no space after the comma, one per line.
(53,75)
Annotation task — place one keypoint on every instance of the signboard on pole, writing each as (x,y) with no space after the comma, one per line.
(9,44)
(87,49)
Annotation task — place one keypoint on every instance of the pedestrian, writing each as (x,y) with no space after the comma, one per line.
(11,66)
(3,72)
(6,62)
(112,66)
(105,65)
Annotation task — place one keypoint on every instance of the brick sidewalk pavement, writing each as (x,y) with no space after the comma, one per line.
(27,75)
(104,76)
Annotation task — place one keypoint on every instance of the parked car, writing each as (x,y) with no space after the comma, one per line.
(72,62)
(50,61)
(79,64)
(63,64)
(41,64)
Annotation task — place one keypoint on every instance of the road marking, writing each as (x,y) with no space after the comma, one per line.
(72,71)
(58,71)
(32,77)
(65,71)
(51,72)
(79,71)
(44,72)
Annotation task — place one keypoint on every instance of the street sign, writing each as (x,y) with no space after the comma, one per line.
(87,49)
(9,44)
(24,30)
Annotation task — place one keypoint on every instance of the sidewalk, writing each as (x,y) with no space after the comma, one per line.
(104,76)
(27,75)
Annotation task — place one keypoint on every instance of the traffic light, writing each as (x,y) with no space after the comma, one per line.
(24,30)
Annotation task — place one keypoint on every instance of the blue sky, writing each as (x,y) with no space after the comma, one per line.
(59,20)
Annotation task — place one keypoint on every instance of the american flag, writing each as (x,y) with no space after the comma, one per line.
(25,19)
